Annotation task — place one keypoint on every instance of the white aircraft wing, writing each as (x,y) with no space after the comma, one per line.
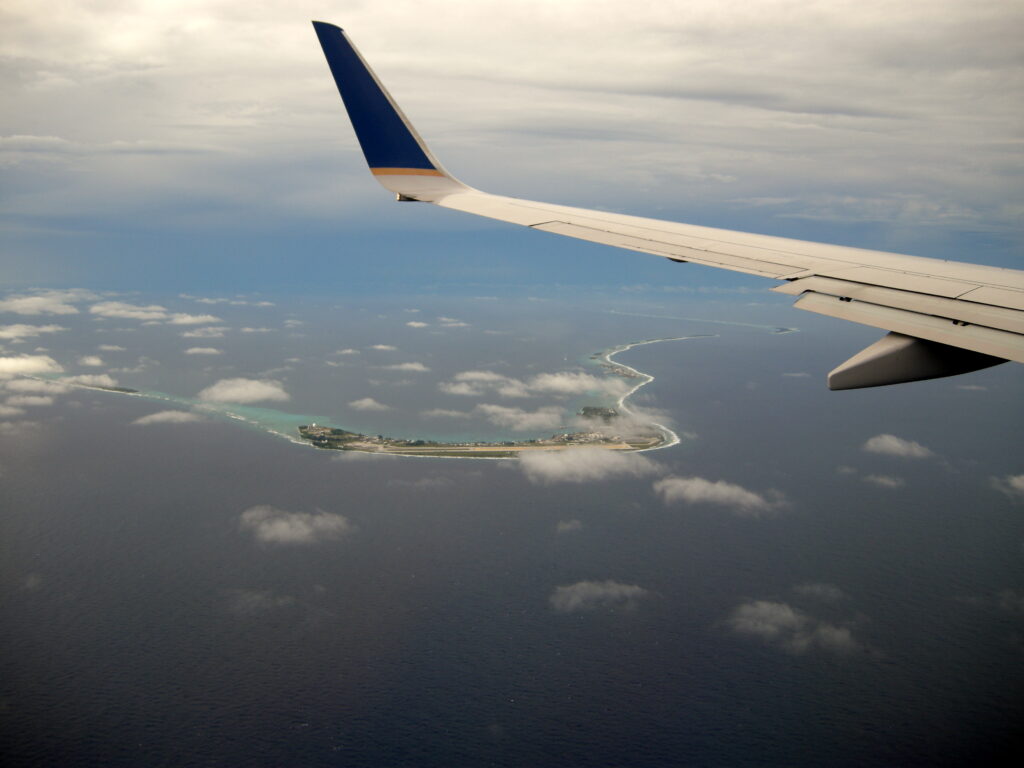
(943,317)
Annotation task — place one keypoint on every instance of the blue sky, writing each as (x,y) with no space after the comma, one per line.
(188,145)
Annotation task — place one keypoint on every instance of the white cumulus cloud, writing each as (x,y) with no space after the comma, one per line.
(277,526)
(167,417)
(91,380)
(890,445)
(698,490)
(786,627)
(36,386)
(27,365)
(203,351)
(126,311)
(417,324)
(244,391)
(519,420)
(885,481)
(46,303)
(368,404)
(589,595)
(21,331)
(29,401)
(582,465)
(416,367)
(93,361)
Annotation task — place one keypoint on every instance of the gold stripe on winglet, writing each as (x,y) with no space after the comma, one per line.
(405,172)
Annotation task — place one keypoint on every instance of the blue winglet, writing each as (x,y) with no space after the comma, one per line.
(389,142)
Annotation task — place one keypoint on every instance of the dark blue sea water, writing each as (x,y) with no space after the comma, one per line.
(143,624)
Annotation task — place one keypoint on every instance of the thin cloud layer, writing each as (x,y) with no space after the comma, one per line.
(368,404)
(519,420)
(204,351)
(785,627)
(890,445)
(1010,485)
(149,313)
(168,417)
(591,595)
(698,490)
(565,383)
(885,481)
(583,465)
(21,331)
(244,391)
(270,525)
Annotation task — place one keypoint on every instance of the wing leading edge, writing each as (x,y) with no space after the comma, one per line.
(943,317)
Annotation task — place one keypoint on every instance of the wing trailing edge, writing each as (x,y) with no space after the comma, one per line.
(944,317)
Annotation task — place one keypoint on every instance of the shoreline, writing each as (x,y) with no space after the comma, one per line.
(333,438)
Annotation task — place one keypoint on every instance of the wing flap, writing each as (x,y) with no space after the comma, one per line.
(988,341)
(958,310)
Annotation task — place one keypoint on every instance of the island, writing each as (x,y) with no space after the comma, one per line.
(337,439)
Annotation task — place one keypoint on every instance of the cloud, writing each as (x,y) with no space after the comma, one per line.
(111,348)
(384,347)
(179,318)
(91,380)
(437,413)
(29,401)
(436,482)
(368,404)
(890,445)
(781,625)
(46,303)
(1010,485)
(94,361)
(418,367)
(125,311)
(828,593)
(568,526)
(697,490)
(167,417)
(590,595)
(417,324)
(347,352)
(27,365)
(276,526)
(244,391)
(567,383)
(150,313)
(518,420)
(885,481)
(476,383)
(7,411)
(21,331)
(583,465)
(203,351)
(37,386)
(212,332)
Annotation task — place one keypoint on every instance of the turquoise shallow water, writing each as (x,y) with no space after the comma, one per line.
(286,424)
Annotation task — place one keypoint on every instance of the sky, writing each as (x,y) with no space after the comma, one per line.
(807,577)
(190,144)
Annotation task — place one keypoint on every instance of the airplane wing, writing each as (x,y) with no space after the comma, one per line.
(943,317)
